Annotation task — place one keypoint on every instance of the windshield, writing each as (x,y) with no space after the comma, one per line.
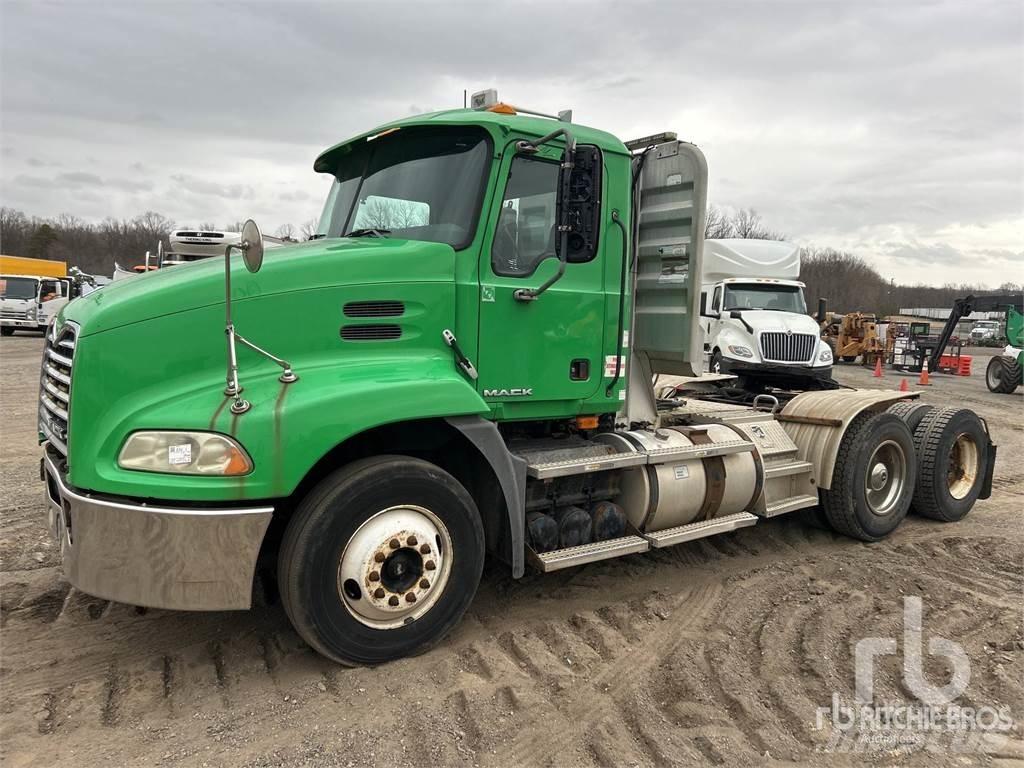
(784,298)
(416,183)
(18,287)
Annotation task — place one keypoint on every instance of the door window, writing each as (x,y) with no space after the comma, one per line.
(526,230)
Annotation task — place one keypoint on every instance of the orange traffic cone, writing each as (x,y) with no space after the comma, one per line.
(923,381)
(903,386)
(878,368)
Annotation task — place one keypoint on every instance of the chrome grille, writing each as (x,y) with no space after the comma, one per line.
(55,385)
(783,347)
(14,314)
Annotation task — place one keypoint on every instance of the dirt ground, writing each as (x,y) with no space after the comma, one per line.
(714,652)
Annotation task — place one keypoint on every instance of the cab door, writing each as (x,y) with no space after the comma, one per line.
(536,358)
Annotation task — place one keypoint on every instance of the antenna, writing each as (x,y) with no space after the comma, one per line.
(463,98)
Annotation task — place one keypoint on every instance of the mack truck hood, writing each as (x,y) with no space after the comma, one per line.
(305,266)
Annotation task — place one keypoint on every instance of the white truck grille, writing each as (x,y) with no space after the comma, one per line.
(55,386)
(786,347)
(14,314)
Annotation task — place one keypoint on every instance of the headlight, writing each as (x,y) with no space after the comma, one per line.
(740,351)
(184,453)
(825,356)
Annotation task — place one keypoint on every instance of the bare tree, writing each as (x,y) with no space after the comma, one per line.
(746,223)
(307,229)
(716,224)
(285,232)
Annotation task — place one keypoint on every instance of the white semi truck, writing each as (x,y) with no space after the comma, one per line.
(754,315)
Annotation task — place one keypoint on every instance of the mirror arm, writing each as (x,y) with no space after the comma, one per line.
(565,180)
(287,377)
(233,389)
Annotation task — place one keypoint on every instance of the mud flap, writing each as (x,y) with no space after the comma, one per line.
(990,468)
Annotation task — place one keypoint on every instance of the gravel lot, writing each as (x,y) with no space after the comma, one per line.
(718,651)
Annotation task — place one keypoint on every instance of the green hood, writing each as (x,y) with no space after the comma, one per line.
(317,264)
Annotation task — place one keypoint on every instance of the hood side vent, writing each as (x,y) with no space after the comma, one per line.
(371,332)
(383,308)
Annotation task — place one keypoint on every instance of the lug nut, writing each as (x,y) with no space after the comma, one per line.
(394,544)
(424,583)
(429,565)
(410,598)
(374,576)
(411,541)
(393,600)
(379,557)
(379,592)
(425,549)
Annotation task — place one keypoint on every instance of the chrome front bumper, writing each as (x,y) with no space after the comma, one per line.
(159,557)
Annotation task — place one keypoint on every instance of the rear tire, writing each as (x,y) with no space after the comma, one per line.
(952,461)
(1003,375)
(380,560)
(849,358)
(911,412)
(873,479)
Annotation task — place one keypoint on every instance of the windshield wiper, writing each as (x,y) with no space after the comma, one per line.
(318,236)
(368,232)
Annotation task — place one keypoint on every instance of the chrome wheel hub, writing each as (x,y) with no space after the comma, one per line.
(395,567)
(886,477)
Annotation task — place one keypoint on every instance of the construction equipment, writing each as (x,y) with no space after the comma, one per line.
(853,335)
(467,352)
(1003,374)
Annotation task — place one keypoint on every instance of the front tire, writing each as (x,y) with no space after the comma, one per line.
(716,361)
(6,330)
(1003,375)
(873,479)
(381,560)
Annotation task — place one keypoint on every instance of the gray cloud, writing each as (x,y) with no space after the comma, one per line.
(859,125)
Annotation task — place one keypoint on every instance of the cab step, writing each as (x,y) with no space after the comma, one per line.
(691,531)
(584,464)
(790,504)
(784,469)
(558,559)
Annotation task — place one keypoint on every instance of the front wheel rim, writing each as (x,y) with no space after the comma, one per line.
(963,466)
(395,567)
(886,478)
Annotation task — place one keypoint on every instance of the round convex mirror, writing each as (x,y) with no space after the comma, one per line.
(252,244)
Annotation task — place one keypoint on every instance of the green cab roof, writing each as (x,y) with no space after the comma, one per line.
(496,123)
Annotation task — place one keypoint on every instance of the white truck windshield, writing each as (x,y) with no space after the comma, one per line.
(782,298)
(18,287)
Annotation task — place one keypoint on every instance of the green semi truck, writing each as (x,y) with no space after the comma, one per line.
(458,365)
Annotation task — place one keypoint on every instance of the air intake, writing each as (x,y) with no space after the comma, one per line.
(370,332)
(374,309)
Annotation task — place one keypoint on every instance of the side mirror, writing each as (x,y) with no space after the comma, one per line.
(579,195)
(822,310)
(704,311)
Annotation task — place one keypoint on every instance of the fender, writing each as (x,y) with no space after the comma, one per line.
(290,427)
(833,410)
(511,473)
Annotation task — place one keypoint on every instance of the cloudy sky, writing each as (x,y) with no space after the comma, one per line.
(893,129)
